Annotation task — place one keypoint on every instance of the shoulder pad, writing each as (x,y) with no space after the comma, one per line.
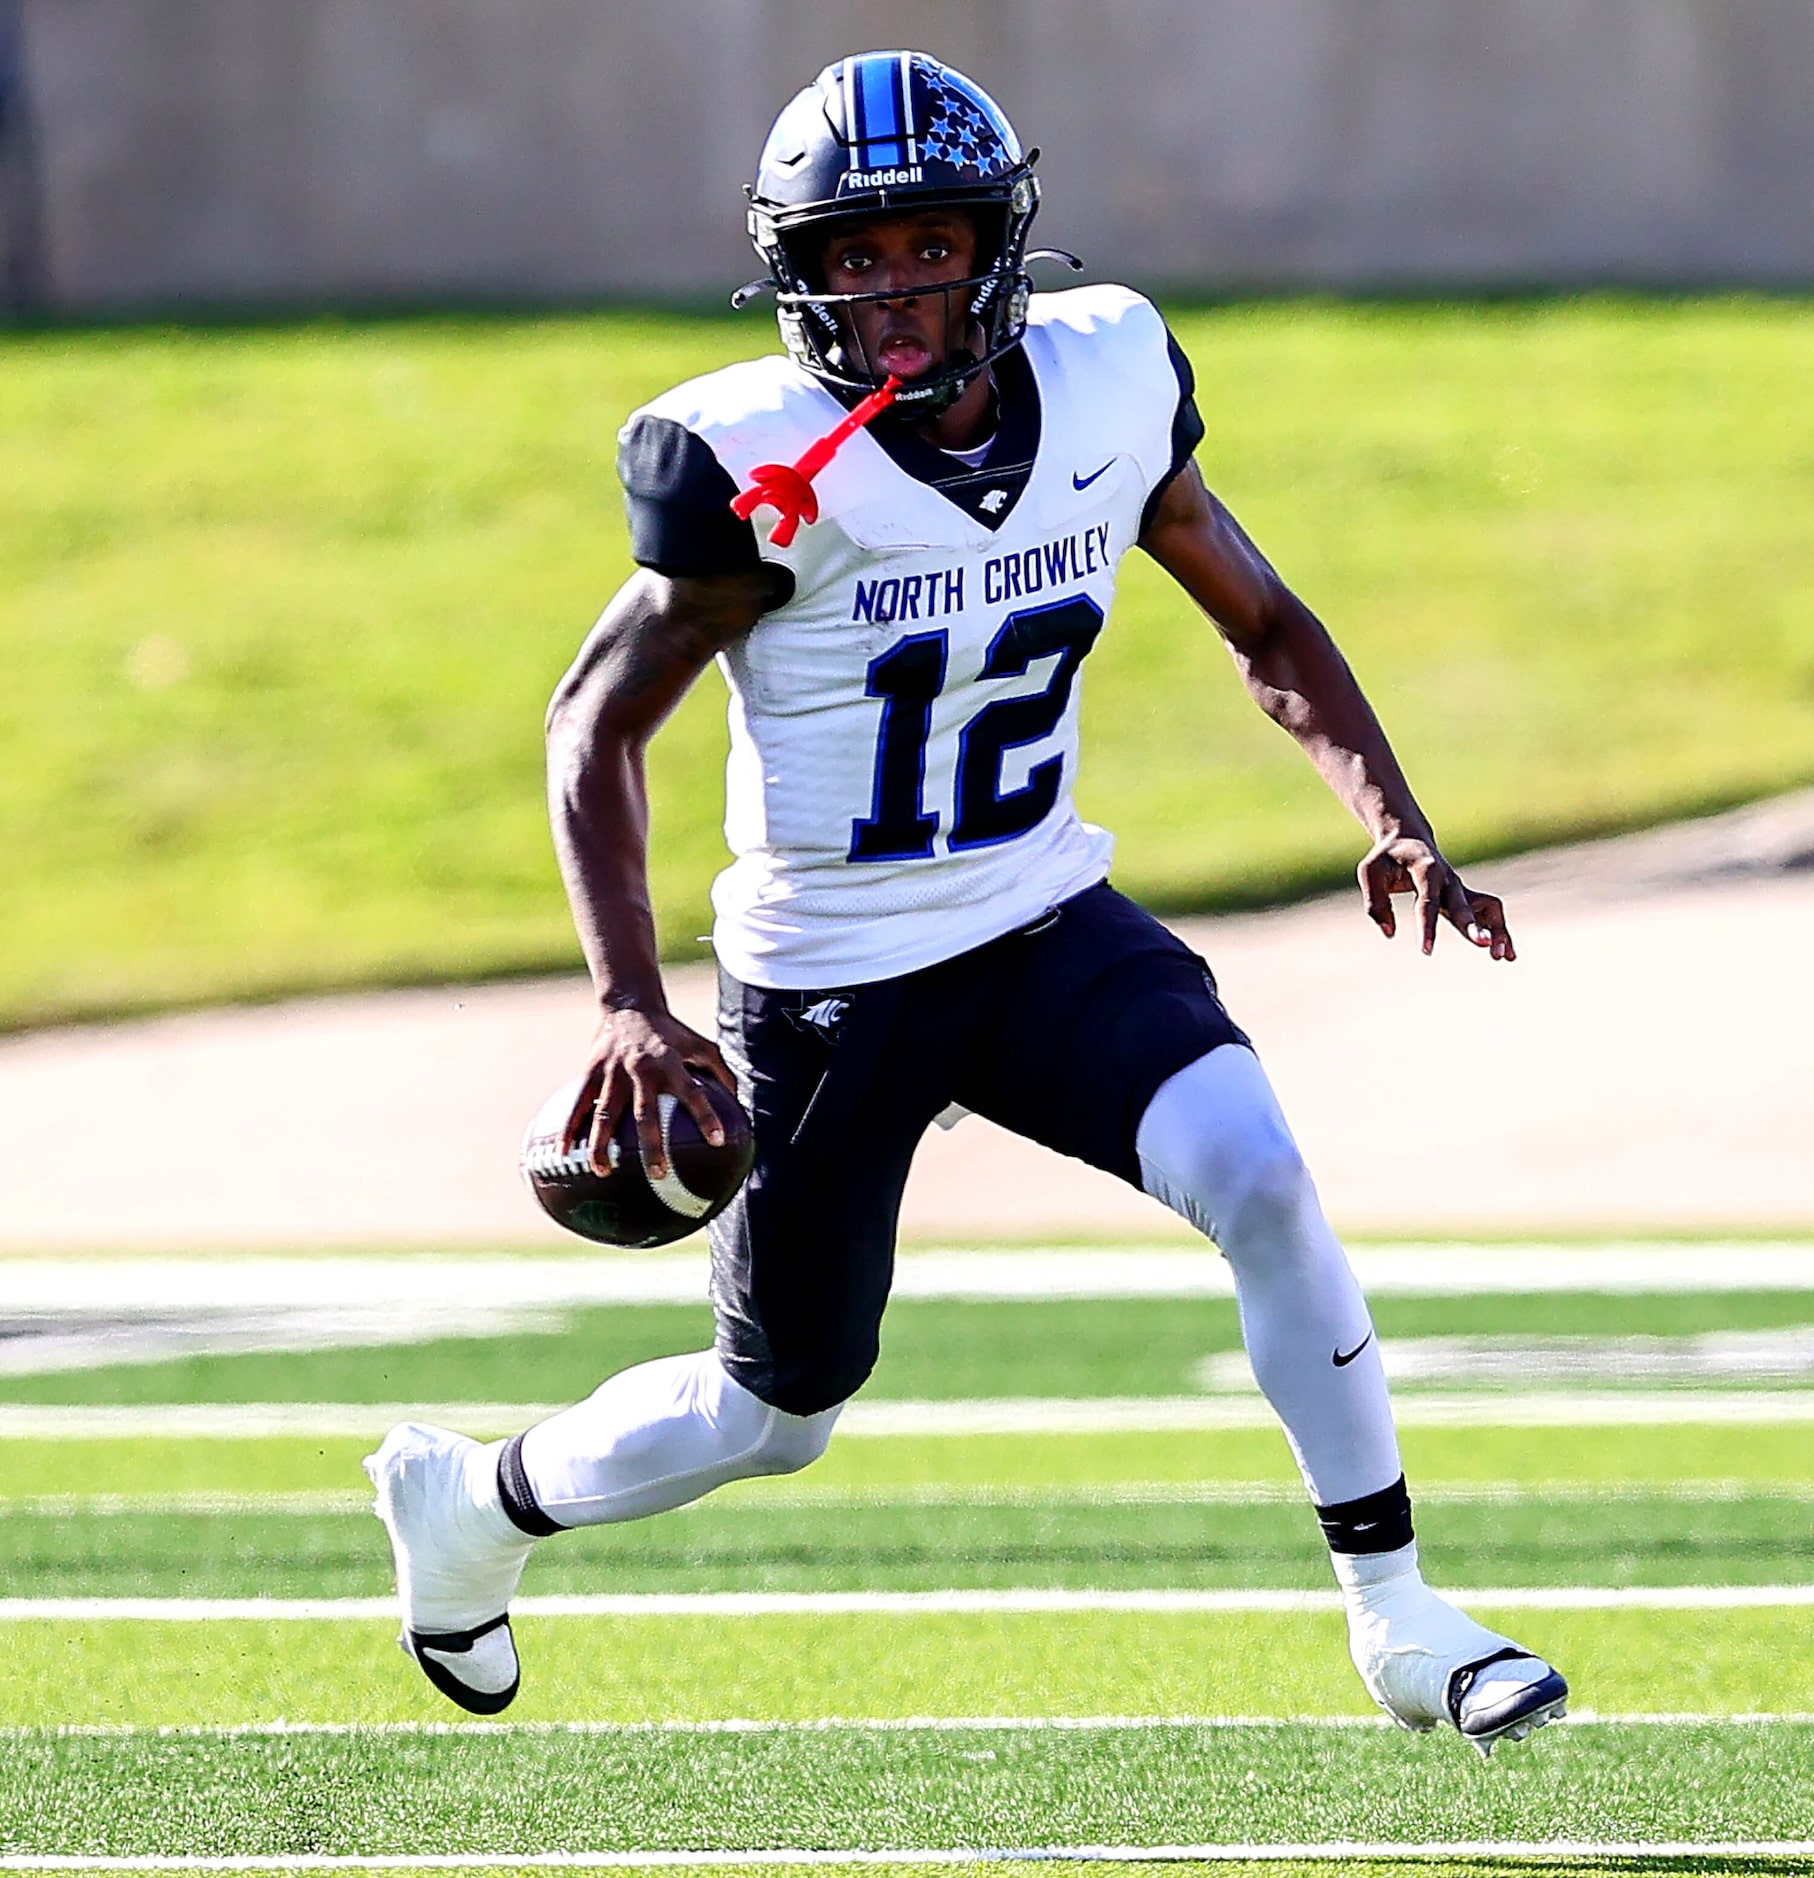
(758,411)
(1106,307)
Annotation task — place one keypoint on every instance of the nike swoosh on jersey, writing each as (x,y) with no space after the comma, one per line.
(1342,1361)
(1083,482)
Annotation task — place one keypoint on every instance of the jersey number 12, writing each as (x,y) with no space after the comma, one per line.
(910,675)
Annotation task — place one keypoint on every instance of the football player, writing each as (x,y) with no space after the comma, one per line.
(915,915)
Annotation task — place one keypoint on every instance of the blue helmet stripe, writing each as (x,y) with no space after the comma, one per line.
(878,114)
(911,129)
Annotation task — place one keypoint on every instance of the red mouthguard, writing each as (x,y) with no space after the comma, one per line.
(787,488)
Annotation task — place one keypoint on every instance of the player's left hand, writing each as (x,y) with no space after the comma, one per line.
(1406,864)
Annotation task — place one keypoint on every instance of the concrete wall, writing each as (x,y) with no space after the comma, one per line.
(301,151)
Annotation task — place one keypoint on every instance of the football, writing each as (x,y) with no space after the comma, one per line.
(626,1207)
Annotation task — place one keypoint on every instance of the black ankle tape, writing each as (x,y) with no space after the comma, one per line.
(1376,1522)
(516,1496)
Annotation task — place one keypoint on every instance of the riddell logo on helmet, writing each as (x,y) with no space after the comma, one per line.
(881,179)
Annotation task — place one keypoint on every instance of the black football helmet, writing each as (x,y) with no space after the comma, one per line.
(889,133)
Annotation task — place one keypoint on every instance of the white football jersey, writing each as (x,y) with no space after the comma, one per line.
(904,728)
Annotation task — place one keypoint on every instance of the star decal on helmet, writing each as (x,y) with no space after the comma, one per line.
(959,134)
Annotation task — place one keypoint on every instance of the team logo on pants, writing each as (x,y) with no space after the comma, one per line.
(824,1017)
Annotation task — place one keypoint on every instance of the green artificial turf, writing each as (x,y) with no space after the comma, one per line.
(1684,1456)
(776,1543)
(384,1795)
(280,610)
(228,1671)
(365,1794)
(933,1349)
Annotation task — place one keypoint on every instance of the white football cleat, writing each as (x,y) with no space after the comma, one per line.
(458,1560)
(1425,1662)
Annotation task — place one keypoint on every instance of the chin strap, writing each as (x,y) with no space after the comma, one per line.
(788,487)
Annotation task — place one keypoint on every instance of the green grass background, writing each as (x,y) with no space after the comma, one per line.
(280,609)
(1713,1459)
(146,1766)
(941,1349)
(522,1793)
(810,1543)
(160,1673)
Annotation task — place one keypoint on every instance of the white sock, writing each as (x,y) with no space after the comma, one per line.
(1215,1148)
(1366,1577)
(483,1516)
(659,1435)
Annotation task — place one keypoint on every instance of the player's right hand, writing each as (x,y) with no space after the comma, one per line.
(636,1057)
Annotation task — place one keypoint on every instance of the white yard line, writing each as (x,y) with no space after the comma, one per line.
(742,1604)
(864,1725)
(257,1421)
(1026,1415)
(1331,1851)
(1159,1414)
(297,1504)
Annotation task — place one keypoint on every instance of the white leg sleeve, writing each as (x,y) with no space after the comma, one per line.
(659,1435)
(1214,1147)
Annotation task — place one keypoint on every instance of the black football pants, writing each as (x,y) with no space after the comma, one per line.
(1062,1031)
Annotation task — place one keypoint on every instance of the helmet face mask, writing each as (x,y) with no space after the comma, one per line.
(848,354)
(890,134)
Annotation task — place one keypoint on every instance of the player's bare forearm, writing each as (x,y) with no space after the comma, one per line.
(653,640)
(1290,665)
(1297,675)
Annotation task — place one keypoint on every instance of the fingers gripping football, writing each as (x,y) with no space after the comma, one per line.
(637,1057)
(648,1143)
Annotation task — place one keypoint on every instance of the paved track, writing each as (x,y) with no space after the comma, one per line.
(1645,1064)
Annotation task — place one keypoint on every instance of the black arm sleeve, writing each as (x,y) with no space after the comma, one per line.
(1187,429)
(677,499)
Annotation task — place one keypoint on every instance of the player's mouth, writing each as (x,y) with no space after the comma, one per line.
(905,354)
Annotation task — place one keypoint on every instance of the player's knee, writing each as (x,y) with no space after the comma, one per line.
(770,1431)
(803,1385)
(792,1442)
(1247,1193)
(1215,1147)
(1264,1193)
(808,1391)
